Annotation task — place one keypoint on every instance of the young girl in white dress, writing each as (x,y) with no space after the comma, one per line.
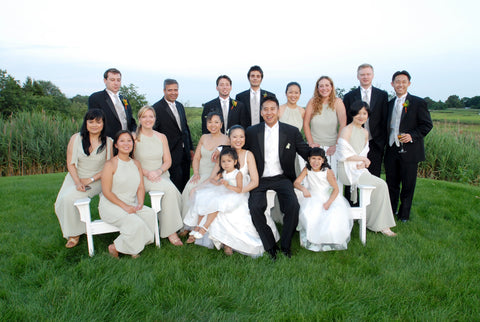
(324,220)
(224,195)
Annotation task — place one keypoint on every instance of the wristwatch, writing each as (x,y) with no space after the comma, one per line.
(93,179)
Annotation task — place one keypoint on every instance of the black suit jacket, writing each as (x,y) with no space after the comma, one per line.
(290,142)
(378,113)
(102,100)
(236,114)
(244,97)
(179,140)
(416,121)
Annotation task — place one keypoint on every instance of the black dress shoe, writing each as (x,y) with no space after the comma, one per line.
(273,253)
(287,252)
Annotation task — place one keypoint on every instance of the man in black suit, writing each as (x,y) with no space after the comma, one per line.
(377,119)
(274,146)
(408,123)
(252,98)
(172,121)
(232,112)
(117,109)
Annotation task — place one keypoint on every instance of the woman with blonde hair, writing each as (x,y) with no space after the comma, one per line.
(325,117)
(151,150)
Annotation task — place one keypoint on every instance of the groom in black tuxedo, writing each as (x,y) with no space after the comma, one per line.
(231,112)
(252,98)
(117,109)
(377,118)
(172,121)
(409,117)
(274,146)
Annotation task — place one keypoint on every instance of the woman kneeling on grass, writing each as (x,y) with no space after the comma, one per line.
(87,152)
(121,200)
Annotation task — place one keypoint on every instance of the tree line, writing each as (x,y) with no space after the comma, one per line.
(44,96)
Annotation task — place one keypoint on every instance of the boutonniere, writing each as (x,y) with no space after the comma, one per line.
(234,104)
(288,146)
(125,103)
(264,95)
(405,105)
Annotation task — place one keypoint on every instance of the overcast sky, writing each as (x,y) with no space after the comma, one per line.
(73,43)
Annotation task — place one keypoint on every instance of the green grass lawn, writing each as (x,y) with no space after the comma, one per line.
(429,272)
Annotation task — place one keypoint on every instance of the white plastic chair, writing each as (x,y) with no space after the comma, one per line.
(98,226)
(360,213)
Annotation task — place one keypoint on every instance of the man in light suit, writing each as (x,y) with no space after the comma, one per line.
(377,119)
(252,98)
(172,121)
(117,109)
(408,117)
(274,146)
(232,112)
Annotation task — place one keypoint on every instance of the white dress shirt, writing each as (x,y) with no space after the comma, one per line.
(395,121)
(224,103)
(255,106)
(272,158)
(119,108)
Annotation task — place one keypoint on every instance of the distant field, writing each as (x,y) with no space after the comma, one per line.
(463,116)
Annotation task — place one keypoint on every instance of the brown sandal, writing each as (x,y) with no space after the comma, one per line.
(174,240)
(72,241)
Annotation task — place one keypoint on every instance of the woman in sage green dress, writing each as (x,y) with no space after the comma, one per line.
(151,150)
(325,117)
(202,163)
(352,170)
(122,197)
(87,153)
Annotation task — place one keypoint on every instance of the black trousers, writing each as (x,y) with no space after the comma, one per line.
(180,171)
(399,172)
(375,155)
(257,203)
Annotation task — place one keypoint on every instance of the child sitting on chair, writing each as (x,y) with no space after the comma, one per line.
(324,220)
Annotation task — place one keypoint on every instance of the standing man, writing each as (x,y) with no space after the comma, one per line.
(252,98)
(408,123)
(274,146)
(232,112)
(172,121)
(117,109)
(377,120)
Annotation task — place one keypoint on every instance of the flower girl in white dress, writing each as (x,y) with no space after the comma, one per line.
(224,195)
(324,221)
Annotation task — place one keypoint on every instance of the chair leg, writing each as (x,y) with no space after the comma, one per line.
(363,230)
(156,198)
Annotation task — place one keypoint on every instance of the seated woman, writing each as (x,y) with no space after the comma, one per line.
(202,163)
(151,150)
(87,153)
(234,230)
(352,170)
(122,197)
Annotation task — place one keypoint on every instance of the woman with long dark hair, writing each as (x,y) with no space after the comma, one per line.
(87,153)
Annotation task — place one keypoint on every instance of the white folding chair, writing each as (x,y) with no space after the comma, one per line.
(98,226)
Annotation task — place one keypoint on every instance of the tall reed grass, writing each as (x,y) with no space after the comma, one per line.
(452,155)
(35,143)
(32,143)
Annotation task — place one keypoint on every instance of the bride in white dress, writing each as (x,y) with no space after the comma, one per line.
(234,230)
